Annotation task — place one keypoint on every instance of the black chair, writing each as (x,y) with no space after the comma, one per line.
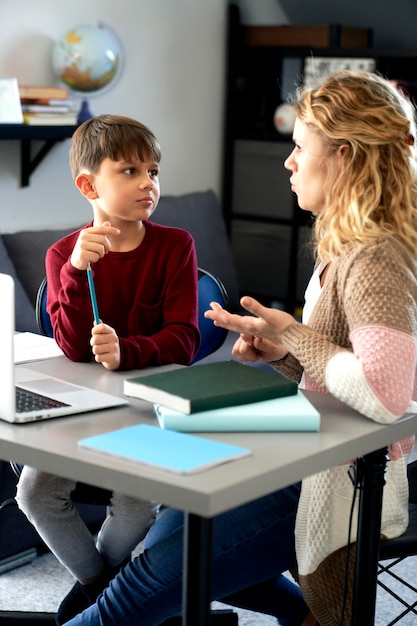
(42,317)
(394,551)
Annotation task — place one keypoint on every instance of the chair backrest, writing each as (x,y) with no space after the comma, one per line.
(42,317)
(210,288)
(412,481)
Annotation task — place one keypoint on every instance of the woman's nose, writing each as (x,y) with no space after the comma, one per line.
(289,162)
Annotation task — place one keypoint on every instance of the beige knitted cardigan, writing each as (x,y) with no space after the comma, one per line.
(374,285)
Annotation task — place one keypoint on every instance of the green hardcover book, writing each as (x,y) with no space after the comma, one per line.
(209,386)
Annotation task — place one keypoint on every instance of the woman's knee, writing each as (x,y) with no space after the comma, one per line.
(170,520)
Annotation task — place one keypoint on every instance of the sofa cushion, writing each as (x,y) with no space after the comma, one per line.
(25,318)
(27,250)
(201,215)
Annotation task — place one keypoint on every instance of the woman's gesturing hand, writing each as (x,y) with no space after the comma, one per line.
(260,332)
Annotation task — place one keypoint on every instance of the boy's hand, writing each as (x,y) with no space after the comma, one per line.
(92,244)
(105,344)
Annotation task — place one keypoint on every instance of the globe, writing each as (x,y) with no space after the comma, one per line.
(87,59)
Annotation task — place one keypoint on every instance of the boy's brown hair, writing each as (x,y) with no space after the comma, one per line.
(111,136)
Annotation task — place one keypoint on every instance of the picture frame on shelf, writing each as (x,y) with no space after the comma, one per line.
(10,105)
(316,69)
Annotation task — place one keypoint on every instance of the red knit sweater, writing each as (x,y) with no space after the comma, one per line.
(148,295)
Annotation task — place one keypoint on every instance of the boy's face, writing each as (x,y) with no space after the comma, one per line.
(125,190)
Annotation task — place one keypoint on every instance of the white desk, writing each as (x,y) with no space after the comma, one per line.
(277,460)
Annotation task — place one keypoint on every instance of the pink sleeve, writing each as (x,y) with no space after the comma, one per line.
(388,360)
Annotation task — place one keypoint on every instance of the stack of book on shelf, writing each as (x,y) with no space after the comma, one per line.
(44,105)
(226,396)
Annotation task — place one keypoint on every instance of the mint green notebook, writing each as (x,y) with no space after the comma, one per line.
(291,413)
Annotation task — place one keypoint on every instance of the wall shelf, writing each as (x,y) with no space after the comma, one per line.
(48,135)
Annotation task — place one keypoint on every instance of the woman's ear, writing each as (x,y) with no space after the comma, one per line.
(342,149)
(85,183)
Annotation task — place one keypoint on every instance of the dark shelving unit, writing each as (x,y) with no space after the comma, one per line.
(268,231)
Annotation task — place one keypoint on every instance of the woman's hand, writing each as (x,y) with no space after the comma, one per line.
(250,348)
(260,332)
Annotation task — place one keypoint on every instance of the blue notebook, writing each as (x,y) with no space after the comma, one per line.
(165,449)
(291,413)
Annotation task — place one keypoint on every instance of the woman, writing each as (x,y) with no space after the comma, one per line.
(353,166)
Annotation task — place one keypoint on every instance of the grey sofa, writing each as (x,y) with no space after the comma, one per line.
(22,255)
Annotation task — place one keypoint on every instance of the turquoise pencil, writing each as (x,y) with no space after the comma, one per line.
(93,294)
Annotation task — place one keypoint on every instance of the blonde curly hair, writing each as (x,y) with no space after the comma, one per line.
(375,193)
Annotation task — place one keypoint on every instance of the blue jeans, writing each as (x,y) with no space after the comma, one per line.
(252,546)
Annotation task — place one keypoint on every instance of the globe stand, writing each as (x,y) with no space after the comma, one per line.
(85,113)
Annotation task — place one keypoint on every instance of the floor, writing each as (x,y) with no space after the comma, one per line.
(40,586)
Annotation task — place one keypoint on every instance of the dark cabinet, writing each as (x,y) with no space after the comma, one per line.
(268,231)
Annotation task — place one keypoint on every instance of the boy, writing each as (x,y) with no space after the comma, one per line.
(145,274)
(145,278)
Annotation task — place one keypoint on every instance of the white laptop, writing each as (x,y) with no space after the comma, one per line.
(53,397)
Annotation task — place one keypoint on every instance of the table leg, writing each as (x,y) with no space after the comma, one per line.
(198,532)
(371,469)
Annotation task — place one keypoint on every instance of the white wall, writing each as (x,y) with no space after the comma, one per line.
(261,12)
(173,81)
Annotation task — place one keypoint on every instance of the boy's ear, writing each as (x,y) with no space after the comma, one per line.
(85,183)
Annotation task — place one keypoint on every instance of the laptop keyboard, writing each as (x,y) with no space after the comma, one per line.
(27,401)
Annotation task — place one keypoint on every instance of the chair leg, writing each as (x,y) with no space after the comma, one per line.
(23,618)
(225,617)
